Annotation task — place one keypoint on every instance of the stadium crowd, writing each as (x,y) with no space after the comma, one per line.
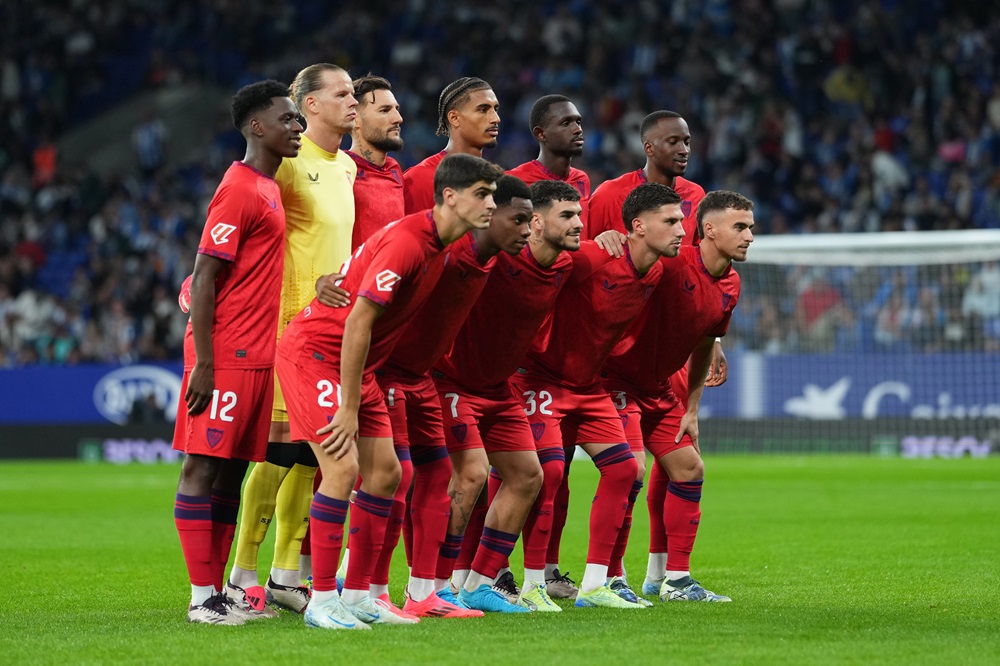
(832,116)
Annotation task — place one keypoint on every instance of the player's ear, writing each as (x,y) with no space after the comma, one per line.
(538,133)
(454,119)
(647,148)
(255,127)
(536,222)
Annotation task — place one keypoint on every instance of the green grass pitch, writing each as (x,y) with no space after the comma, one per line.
(829,560)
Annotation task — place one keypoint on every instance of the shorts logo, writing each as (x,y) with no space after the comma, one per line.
(329,417)
(273,204)
(214,436)
(386,280)
(686,208)
(624,420)
(220,233)
(537,430)
(460,432)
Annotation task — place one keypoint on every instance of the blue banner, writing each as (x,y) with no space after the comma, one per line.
(813,387)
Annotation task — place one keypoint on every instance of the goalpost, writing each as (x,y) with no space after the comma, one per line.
(886,343)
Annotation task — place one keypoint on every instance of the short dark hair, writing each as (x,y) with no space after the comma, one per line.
(720,200)
(253,98)
(459,171)
(650,121)
(369,83)
(646,197)
(540,109)
(546,192)
(455,94)
(510,187)
(309,80)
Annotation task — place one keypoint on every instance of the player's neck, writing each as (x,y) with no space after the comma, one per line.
(485,248)
(557,164)
(361,147)
(458,147)
(544,253)
(654,175)
(641,255)
(325,139)
(262,160)
(450,227)
(715,262)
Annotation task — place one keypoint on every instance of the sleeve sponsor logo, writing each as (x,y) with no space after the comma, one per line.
(220,233)
(386,280)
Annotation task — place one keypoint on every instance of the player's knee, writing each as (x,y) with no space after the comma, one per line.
(529,481)
(198,473)
(284,454)
(692,470)
(472,475)
(623,471)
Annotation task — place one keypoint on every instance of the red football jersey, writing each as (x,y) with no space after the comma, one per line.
(418,184)
(245,226)
(518,297)
(378,197)
(429,335)
(686,307)
(396,268)
(602,297)
(606,204)
(534,171)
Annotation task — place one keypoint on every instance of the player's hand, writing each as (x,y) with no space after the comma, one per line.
(201,385)
(612,242)
(330,293)
(343,431)
(718,372)
(689,426)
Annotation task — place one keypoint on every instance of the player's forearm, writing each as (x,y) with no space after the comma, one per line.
(357,340)
(203,316)
(698,367)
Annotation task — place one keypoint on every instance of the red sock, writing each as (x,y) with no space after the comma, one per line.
(681,516)
(307,540)
(493,552)
(538,525)
(368,520)
(560,509)
(326,522)
(492,486)
(473,535)
(656,495)
(430,508)
(225,510)
(616,568)
(448,555)
(193,518)
(607,512)
(380,575)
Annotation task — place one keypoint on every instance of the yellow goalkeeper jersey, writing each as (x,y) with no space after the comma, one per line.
(317,190)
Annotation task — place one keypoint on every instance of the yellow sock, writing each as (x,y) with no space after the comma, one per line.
(294,500)
(258,508)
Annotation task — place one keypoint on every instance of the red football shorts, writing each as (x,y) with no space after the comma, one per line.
(650,420)
(312,395)
(414,409)
(494,422)
(560,416)
(236,422)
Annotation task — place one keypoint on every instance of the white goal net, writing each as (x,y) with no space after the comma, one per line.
(884,342)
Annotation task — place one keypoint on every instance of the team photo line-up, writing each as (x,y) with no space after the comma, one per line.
(447,337)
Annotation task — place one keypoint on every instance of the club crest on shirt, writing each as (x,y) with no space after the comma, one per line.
(515,272)
(688,286)
(386,280)
(313,178)
(686,208)
(610,286)
(460,432)
(214,436)
(537,430)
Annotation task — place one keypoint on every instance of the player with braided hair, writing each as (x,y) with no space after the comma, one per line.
(468,114)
